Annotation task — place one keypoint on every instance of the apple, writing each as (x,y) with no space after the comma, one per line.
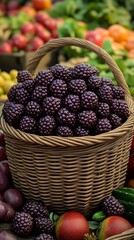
(113,225)
(13,12)
(13,5)
(38,28)
(34,44)
(3,155)
(19,41)
(28,10)
(28,27)
(45,35)
(71,226)
(41,17)
(6,48)
(94,37)
(54,34)
(50,24)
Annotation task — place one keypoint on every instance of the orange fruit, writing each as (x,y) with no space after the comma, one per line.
(117,46)
(118,33)
(42,4)
(131,53)
(29,10)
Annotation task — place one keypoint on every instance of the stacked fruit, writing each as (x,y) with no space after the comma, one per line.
(7,80)
(65,102)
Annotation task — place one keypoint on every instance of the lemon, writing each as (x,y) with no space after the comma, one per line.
(7,85)
(6,76)
(1,81)
(3,97)
(1,91)
(13,73)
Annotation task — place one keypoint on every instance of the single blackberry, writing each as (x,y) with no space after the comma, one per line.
(46,125)
(44,78)
(105,94)
(107,81)
(115,121)
(33,109)
(83,70)
(58,88)
(61,72)
(81,131)
(29,85)
(39,93)
(64,131)
(6,107)
(22,224)
(14,114)
(43,225)
(12,93)
(27,124)
(51,105)
(35,209)
(118,92)
(111,206)
(89,100)
(94,82)
(77,86)
(44,236)
(72,102)
(120,107)
(22,96)
(103,110)
(87,118)
(65,117)
(23,75)
(103,125)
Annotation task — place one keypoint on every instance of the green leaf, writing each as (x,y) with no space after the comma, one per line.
(107,46)
(93,225)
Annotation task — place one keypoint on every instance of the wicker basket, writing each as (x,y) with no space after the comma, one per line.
(73,173)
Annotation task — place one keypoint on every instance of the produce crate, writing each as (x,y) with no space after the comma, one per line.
(97,164)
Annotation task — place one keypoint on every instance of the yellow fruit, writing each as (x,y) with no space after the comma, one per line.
(7,85)
(1,91)
(13,73)
(1,81)
(6,76)
(3,97)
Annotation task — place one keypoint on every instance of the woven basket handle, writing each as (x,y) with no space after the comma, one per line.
(35,62)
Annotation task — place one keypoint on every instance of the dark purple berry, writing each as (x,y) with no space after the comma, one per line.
(14,113)
(65,117)
(33,109)
(58,88)
(83,70)
(107,81)
(22,96)
(81,131)
(46,125)
(118,93)
(44,78)
(72,103)
(105,94)
(103,125)
(103,110)
(64,131)
(94,82)
(77,86)
(120,108)
(23,75)
(61,72)
(51,105)
(115,121)
(89,100)
(87,118)
(28,124)
(43,225)
(39,93)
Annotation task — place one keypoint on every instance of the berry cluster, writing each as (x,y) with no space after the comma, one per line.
(34,218)
(65,102)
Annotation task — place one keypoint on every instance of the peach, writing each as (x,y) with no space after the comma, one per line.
(113,225)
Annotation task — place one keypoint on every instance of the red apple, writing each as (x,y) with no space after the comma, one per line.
(113,225)
(12,5)
(71,226)
(50,24)
(28,28)
(19,41)
(54,34)
(6,48)
(38,28)
(34,44)
(95,37)
(130,170)
(41,17)
(45,35)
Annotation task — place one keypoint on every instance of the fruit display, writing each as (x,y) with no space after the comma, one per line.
(65,102)
(7,80)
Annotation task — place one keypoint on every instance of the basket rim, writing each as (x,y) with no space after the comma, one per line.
(55,141)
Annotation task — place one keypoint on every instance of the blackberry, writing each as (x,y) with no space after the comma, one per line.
(43,225)
(61,72)
(103,110)
(22,96)
(83,70)
(22,224)
(77,86)
(33,109)
(120,107)
(58,88)
(39,93)
(115,121)
(51,105)
(27,124)
(29,85)
(111,206)
(65,117)
(72,103)
(23,75)
(64,131)
(87,118)
(12,93)
(44,78)
(107,81)
(6,107)
(89,100)
(103,125)
(94,82)
(81,131)
(118,93)
(105,94)
(35,209)
(44,236)
(14,114)
(46,125)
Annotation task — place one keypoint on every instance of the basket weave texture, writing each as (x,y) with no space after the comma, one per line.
(73,173)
